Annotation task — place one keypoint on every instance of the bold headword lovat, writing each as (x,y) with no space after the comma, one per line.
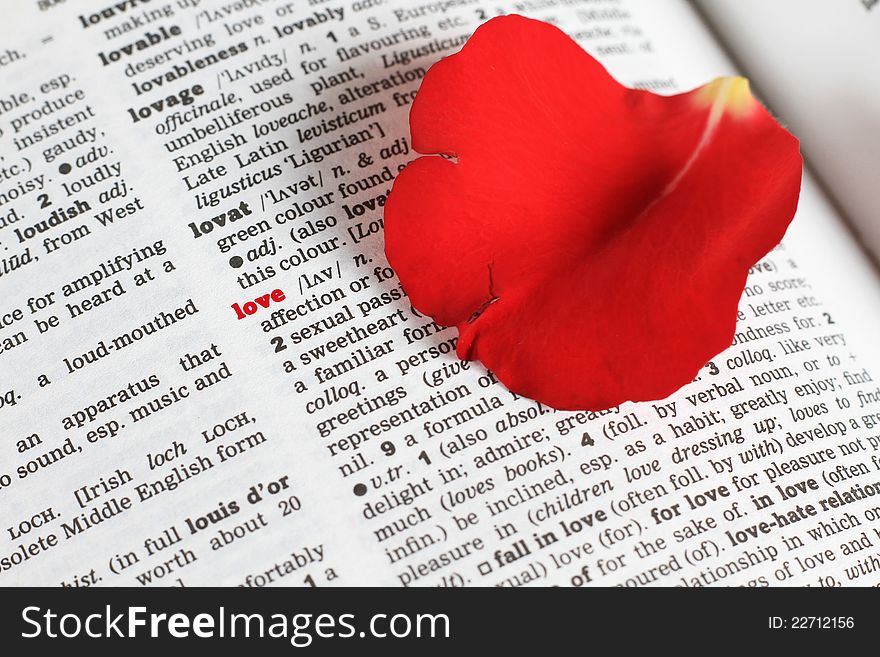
(591,242)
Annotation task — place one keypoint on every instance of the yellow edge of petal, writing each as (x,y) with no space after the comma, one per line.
(727,94)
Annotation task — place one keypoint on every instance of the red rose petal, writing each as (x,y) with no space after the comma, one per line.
(590,242)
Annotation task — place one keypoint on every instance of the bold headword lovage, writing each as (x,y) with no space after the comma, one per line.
(591,242)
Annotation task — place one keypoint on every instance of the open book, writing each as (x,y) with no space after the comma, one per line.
(209,374)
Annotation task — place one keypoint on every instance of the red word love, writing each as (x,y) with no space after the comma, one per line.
(250,307)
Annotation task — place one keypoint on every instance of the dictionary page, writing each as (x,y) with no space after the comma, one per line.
(816,63)
(210,375)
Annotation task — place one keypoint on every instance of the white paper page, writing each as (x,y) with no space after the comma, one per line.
(150,437)
(815,61)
